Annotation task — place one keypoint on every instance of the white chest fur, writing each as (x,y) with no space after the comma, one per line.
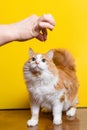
(43,91)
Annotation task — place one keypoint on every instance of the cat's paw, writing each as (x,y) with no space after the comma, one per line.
(71,112)
(57,121)
(32,122)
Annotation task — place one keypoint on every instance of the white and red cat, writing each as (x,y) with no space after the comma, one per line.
(52,84)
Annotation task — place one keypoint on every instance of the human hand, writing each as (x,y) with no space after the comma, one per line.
(31,27)
(43,23)
(34,27)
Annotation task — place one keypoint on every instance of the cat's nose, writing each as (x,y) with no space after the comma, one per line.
(37,62)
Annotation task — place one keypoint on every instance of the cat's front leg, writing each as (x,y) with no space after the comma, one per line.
(35,115)
(57,113)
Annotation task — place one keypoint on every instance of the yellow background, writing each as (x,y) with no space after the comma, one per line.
(70,32)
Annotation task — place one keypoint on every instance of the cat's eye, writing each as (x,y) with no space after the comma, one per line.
(33,59)
(43,60)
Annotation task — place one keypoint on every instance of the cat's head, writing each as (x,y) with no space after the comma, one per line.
(40,62)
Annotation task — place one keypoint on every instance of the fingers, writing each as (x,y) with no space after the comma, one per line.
(47,21)
(46,25)
(42,35)
(48,18)
(41,25)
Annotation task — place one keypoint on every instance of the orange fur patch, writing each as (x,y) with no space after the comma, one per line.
(62,98)
(66,71)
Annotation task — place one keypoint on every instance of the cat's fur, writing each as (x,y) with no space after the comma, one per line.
(52,83)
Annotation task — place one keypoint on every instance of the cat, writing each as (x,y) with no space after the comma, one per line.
(52,84)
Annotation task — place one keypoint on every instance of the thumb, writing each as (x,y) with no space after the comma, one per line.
(42,35)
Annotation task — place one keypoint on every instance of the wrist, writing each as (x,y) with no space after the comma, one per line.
(20,32)
(7,34)
(13,32)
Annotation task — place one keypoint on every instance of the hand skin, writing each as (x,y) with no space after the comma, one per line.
(31,27)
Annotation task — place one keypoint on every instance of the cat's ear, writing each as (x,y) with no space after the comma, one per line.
(31,52)
(50,54)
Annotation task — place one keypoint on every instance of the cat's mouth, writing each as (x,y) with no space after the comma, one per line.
(36,68)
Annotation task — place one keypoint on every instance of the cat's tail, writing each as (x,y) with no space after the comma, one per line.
(64,59)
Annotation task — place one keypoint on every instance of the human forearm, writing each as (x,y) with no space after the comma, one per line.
(7,33)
